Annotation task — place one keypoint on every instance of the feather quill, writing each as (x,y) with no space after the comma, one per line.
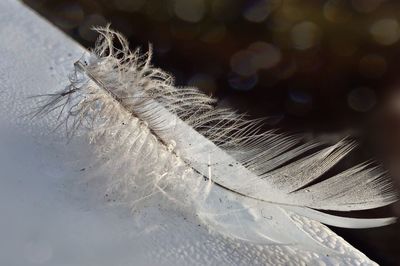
(239,180)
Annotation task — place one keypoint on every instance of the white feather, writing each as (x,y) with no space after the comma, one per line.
(239,180)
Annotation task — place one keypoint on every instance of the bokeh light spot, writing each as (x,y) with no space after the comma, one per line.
(336,11)
(190,11)
(241,83)
(305,35)
(293,11)
(242,63)
(265,55)
(259,10)
(300,97)
(279,24)
(361,99)
(299,103)
(385,31)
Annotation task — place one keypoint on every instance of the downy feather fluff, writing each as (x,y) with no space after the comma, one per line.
(240,181)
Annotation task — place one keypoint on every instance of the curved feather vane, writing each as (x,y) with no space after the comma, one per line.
(175,141)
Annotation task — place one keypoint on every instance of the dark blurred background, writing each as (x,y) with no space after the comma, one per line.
(326,68)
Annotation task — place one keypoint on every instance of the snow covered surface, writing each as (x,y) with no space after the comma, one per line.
(51,215)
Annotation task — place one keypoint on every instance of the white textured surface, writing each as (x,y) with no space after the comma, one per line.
(49,217)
